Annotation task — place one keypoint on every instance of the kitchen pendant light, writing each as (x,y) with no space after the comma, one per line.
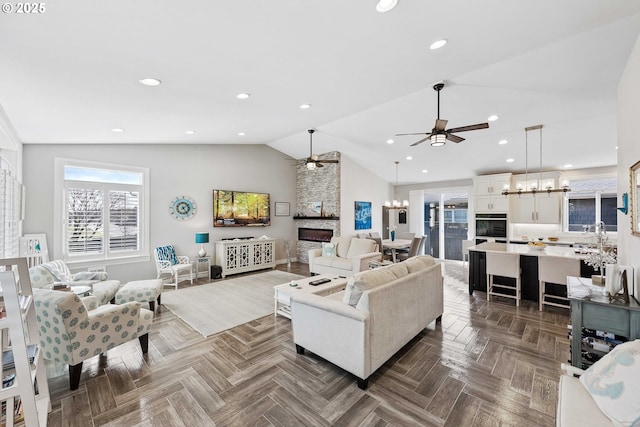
(534,186)
(396,204)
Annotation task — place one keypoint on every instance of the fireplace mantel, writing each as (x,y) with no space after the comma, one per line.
(323,218)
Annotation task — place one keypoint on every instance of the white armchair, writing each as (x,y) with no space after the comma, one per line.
(71,334)
(167,262)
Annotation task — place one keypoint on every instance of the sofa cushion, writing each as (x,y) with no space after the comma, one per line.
(399,269)
(364,281)
(418,263)
(335,262)
(614,383)
(576,407)
(343,245)
(328,249)
(361,247)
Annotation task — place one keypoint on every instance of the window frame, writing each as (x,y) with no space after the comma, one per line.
(108,257)
(597,195)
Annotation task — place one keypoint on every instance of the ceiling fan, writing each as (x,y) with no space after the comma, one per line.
(312,161)
(439,134)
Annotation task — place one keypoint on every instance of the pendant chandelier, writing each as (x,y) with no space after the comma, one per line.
(396,204)
(534,186)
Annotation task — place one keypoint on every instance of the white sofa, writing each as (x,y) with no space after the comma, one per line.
(576,407)
(379,312)
(352,255)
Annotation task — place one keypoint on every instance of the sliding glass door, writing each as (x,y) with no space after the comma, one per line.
(445,224)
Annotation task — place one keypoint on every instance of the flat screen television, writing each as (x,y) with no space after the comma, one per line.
(240,209)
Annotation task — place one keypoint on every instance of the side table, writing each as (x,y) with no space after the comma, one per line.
(203,259)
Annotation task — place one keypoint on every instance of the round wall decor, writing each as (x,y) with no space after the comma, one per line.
(182,208)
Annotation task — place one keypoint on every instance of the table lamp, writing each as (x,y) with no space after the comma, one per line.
(202,238)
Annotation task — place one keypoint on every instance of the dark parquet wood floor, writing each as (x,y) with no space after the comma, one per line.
(487,364)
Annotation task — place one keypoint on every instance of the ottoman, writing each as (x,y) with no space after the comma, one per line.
(141,291)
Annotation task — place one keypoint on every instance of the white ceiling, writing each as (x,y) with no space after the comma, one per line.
(71,74)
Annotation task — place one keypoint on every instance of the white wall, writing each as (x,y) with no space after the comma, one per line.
(191,170)
(628,154)
(358,184)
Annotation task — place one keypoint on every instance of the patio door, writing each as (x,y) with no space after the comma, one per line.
(446,224)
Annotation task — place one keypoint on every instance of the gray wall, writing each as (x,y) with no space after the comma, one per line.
(190,170)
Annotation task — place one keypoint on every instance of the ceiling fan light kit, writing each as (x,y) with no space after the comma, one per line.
(313,161)
(564,188)
(440,134)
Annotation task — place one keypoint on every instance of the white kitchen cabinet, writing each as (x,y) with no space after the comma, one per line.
(538,208)
(487,190)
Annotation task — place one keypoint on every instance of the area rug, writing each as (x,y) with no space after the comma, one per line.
(218,306)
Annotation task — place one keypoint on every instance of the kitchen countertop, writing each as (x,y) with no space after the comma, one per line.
(545,241)
(559,251)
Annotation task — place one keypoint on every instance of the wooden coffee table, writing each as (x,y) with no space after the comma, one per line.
(282,296)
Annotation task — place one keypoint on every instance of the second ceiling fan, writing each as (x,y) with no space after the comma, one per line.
(439,134)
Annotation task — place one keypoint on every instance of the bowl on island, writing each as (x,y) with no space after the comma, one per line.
(537,246)
(552,239)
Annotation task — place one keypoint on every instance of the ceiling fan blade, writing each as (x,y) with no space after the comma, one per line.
(419,142)
(454,138)
(327,161)
(470,127)
(441,124)
(417,133)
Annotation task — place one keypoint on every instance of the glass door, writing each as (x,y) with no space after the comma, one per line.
(446,224)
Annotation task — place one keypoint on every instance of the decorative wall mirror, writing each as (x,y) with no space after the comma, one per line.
(635,198)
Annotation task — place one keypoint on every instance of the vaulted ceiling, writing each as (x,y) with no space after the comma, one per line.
(71,75)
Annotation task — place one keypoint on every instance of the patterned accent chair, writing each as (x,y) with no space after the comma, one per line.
(46,274)
(70,334)
(167,262)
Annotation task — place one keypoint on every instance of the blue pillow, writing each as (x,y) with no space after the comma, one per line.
(329,249)
(167,253)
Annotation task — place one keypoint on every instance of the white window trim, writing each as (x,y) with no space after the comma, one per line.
(565,217)
(59,223)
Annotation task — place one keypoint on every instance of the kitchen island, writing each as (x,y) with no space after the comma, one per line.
(528,267)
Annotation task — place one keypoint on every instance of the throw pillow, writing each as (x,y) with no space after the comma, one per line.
(342,245)
(167,253)
(360,247)
(614,384)
(329,249)
(365,281)
(398,269)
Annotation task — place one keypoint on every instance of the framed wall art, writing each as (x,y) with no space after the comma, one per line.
(282,208)
(363,215)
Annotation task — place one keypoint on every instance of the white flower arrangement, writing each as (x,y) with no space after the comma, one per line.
(392,228)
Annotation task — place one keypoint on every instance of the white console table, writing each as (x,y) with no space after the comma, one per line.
(239,256)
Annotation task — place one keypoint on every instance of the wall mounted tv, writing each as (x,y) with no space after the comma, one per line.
(240,209)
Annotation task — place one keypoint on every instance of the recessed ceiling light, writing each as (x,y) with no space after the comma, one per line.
(503,141)
(424,171)
(568,166)
(189,132)
(305,106)
(616,147)
(149,81)
(243,96)
(117,130)
(438,44)
(241,134)
(409,158)
(390,141)
(493,118)
(510,160)
(386,5)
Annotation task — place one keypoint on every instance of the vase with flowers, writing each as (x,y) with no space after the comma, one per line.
(392,232)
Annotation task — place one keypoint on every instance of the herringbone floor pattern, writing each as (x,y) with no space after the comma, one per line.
(487,364)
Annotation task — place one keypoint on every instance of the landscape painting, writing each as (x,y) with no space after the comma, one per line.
(240,209)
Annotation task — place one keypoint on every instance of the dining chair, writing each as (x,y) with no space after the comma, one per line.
(555,270)
(466,244)
(416,247)
(503,265)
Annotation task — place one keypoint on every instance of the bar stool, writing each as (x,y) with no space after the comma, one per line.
(504,265)
(555,270)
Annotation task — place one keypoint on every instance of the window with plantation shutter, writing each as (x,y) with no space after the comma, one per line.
(104,211)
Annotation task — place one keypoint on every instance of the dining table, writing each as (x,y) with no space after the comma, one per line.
(395,245)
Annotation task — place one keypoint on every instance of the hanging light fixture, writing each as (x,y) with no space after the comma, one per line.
(396,204)
(534,186)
